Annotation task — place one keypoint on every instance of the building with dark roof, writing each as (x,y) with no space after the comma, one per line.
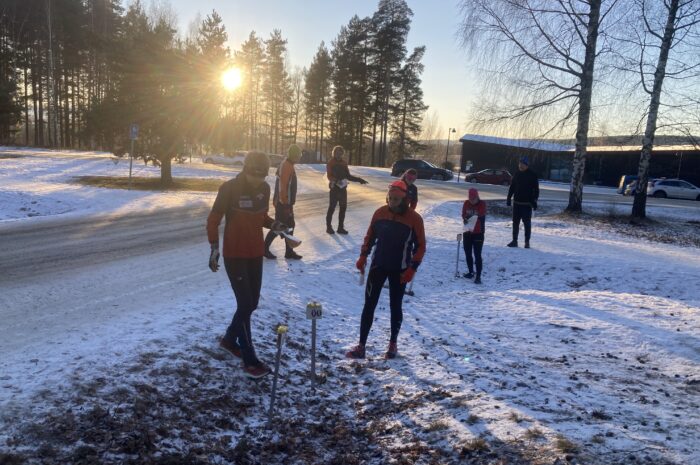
(553,161)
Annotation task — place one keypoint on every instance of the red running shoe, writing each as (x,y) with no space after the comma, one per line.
(356,352)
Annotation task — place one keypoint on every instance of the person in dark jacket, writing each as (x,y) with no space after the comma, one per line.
(244,201)
(409,177)
(525,190)
(284,199)
(338,176)
(474,217)
(397,231)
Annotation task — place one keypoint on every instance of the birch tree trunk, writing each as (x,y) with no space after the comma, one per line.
(640,194)
(584,111)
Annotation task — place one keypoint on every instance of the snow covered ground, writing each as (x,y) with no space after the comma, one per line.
(584,349)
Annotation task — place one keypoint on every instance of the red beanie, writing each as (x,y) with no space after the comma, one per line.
(398,188)
(473,194)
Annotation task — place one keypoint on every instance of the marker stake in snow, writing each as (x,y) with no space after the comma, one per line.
(281,332)
(459,240)
(314,310)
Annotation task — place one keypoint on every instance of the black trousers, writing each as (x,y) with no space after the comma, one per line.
(522,212)
(245,275)
(286,216)
(473,243)
(375,280)
(337,196)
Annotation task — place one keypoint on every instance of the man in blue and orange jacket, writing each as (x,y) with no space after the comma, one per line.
(244,202)
(398,234)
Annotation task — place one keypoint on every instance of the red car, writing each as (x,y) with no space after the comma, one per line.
(500,177)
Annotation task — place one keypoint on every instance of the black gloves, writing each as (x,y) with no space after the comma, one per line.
(362,181)
(508,204)
(278,227)
(534,204)
(214,258)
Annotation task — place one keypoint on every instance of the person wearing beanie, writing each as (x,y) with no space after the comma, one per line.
(338,176)
(409,177)
(525,190)
(244,202)
(474,218)
(396,233)
(284,199)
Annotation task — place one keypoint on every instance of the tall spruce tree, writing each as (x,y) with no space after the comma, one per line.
(317,95)
(408,105)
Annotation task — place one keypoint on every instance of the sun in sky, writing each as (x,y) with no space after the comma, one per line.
(231,79)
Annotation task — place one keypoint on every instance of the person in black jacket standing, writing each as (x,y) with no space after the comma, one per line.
(525,189)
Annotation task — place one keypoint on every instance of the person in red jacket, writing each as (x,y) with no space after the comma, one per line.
(338,176)
(474,217)
(284,198)
(397,231)
(244,202)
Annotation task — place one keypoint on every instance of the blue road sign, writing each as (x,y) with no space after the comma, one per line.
(134,131)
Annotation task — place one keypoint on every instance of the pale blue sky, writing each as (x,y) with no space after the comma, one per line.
(306,23)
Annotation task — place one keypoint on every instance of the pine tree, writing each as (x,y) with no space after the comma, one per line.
(408,105)
(317,96)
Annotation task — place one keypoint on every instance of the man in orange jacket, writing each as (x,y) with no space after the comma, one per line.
(284,198)
(244,202)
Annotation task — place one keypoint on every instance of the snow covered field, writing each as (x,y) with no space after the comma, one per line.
(584,349)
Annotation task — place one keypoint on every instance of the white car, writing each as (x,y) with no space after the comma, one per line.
(676,188)
(236,158)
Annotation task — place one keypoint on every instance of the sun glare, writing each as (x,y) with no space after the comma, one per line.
(231,79)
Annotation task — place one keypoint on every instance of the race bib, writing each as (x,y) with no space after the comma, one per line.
(245,203)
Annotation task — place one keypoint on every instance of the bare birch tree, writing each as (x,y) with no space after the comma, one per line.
(545,54)
(664,26)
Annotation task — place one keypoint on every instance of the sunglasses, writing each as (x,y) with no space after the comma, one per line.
(393,197)
(257,173)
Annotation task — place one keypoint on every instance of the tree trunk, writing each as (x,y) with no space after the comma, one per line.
(584,112)
(640,193)
(166,171)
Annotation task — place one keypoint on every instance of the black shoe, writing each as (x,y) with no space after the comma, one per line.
(512,244)
(469,275)
(269,255)
(292,255)
(527,244)
(341,230)
(329,230)
(477,280)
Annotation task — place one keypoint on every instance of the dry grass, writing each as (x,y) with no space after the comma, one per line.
(475,445)
(438,425)
(565,445)
(150,184)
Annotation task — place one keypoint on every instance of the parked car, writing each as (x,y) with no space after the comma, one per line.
(625,181)
(500,177)
(676,188)
(234,158)
(424,169)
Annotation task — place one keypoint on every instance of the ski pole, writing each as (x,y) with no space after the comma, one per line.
(281,331)
(459,240)
(362,278)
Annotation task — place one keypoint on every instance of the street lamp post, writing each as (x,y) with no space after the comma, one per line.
(447,151)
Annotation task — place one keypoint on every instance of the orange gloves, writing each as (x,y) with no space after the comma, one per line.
(361,262)
(407,275)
